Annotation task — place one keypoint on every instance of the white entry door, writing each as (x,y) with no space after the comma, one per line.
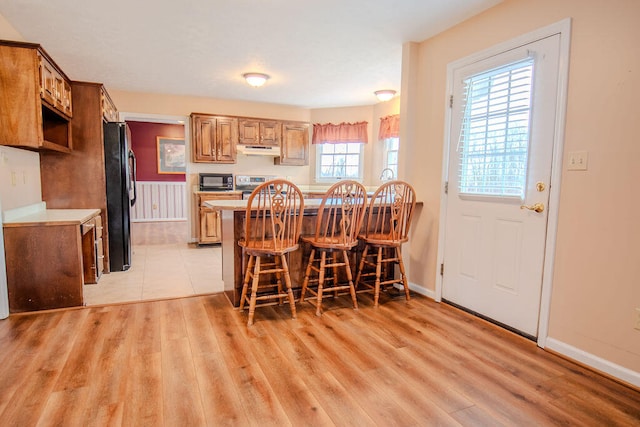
(499,171)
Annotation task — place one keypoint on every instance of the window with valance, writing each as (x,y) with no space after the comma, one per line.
(339,150)
(328,133)
(389,134)
(389,127)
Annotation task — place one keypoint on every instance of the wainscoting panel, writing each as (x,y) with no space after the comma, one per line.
(160,201)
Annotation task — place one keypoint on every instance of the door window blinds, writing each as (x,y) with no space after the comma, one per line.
(494,138)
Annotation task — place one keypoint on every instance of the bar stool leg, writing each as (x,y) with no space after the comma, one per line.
(376,294)
(352,288)
(323,257)
(335,272)
(245,285)
(287,281)
(278,266)
(402,273)
(307,273)
(361,266)
(254,291)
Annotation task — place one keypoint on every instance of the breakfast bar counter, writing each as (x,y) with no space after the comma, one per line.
(233,214)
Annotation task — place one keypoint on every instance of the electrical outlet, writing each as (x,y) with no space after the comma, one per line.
(637,322)
(578,160)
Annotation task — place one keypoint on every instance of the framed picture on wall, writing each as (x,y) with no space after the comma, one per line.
(171,155)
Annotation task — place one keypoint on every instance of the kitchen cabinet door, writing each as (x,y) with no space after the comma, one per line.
(226,137)
(209,218)
(294,150)
(259,132)
(214,138)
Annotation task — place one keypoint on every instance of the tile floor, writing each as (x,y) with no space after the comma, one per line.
(164,265)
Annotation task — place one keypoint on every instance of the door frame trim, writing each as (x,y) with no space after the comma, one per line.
(563,28)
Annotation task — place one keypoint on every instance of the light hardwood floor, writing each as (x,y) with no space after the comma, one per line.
(164,265)
(193,362)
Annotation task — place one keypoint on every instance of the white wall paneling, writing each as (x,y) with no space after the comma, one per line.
(160,201)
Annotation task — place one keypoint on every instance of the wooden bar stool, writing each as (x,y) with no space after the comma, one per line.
(338,223)
(272,228)
(386,228)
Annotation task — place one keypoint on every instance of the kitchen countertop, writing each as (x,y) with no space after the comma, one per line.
(196,191)
(304,188)
(53,217)
(241,205)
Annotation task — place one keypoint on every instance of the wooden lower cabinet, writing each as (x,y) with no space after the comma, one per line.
(209,220)
(92,250)
(47,263)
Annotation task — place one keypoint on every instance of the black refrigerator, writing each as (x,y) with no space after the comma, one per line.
(120,172)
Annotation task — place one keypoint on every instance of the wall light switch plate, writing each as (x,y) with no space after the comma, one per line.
(578,160)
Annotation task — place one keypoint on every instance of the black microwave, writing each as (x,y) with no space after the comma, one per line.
(216,182)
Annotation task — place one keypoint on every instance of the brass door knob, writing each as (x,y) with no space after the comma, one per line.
(537,207)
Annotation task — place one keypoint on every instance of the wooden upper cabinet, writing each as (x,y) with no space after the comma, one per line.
(226,139)
(294,150)
(260,132)
(35,99)
(214,138)
(55,88)
(109,110)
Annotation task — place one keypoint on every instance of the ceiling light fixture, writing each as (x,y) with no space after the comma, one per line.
(385,94)
(255,79)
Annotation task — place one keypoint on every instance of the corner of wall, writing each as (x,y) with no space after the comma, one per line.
(7,31)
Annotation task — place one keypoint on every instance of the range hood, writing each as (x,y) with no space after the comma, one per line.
(258,150)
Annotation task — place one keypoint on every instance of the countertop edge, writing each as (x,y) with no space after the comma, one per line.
(53,217)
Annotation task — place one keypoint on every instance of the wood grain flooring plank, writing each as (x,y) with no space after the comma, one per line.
(495,391)
(84,354)
(25,353)
(220,400)
(109,378)
(181,396)
(146,332)
(365,389)
(407,391)
(45,365)
(332,396)
(144,399)
(404,366)
(64,408)
(182,404)
(300,405)
(195,362)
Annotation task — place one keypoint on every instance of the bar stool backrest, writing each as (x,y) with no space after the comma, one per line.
(341,213)
(274,216)
(390,212)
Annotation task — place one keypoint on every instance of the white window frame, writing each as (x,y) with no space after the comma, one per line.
(336,179)
(385,158)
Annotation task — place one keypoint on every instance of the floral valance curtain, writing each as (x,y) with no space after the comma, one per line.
(329,133)
(389,127)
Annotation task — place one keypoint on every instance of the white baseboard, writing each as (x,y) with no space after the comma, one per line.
(595,362)
(422,291)
(157,219)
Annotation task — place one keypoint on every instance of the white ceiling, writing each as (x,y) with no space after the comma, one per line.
(319,53)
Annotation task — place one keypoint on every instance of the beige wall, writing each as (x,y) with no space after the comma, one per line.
(596,279)
(19,169)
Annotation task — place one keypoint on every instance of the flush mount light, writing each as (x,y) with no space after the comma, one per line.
(255,79)
(385,94)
